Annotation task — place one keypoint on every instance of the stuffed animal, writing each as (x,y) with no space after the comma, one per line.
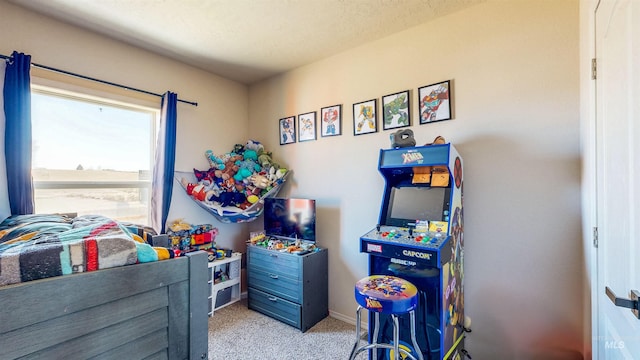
(237,178)
(259,181)
(280,173)
(238,149)
(242,174)
(255,146)
(250,155)
(276,174)
(228,185)
(229,171)
(266,161)
(214,161)
(229,198)
(232,157)
(250,165)
(199,191)
(252,199)
(205,176)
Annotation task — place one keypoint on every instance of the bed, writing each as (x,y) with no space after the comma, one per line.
(144,310)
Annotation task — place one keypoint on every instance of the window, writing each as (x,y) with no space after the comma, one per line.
(92,155)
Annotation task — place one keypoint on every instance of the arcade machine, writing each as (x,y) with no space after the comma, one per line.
(419,237)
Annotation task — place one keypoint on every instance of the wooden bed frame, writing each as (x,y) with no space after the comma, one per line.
(155,310)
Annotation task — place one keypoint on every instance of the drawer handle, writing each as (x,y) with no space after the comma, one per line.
(273,276)
(272,298)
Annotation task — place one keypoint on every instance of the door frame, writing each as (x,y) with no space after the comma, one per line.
(589,186)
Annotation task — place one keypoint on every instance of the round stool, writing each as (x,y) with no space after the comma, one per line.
(392,296)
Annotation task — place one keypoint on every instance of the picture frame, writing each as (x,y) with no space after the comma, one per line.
(331,121)
(365,117)
(307,126)
(435,102)
(396,112)
(287,130)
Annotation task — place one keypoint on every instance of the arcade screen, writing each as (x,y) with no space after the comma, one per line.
(410,203)
(290,218)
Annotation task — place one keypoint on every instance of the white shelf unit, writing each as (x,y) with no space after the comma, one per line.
(224,292)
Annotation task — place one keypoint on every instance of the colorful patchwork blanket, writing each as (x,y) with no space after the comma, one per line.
(34,247)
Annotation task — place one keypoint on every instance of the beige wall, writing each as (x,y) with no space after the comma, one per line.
(218,122)
(514,66)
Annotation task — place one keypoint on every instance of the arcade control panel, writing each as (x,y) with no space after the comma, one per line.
(403,243)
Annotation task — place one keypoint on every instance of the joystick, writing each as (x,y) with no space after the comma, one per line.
(378,228)
(410,233)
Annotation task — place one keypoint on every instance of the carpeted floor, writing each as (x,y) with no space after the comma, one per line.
(237,333)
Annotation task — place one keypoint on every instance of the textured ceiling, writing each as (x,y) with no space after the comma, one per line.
(246,40)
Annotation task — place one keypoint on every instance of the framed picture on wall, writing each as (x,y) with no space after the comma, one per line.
(331,120)
(287,130)
(365,120)
(435,102)
(395,110)
(307,126)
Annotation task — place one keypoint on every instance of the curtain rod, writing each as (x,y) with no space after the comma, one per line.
(98,80)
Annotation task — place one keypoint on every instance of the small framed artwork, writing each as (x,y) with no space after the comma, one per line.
(395,110)
(287,130)
(365,120)
(435,102)
(307,126)
(331,123)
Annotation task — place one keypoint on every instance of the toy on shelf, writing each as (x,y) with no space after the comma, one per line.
(258,238)
(233,187)
(187,237)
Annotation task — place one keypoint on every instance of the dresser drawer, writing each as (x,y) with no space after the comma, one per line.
(275,307)
(278,285)
(274,262)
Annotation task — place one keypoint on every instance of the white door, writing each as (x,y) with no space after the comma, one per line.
(617,24)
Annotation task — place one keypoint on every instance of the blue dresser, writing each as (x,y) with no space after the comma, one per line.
(288,287)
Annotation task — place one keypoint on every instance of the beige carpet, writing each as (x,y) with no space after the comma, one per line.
(237,333)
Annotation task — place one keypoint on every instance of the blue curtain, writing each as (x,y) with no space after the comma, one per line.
(162,183)
(17,143)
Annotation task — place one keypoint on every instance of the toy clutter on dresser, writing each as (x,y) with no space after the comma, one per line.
(232,188)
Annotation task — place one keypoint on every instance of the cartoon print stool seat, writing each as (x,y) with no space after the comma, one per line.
(389,295)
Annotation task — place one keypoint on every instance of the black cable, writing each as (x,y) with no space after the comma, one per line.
(425,323)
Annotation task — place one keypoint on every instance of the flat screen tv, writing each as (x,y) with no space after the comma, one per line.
(406,204)
(290,219)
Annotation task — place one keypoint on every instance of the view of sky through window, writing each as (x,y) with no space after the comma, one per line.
(91,157)
(68,133)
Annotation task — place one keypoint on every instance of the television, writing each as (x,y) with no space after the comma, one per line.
(290,219)
(406,204)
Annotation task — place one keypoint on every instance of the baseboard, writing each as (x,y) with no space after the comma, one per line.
(335,315)
(349,319)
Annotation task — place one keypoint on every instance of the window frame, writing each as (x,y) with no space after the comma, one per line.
(98,97)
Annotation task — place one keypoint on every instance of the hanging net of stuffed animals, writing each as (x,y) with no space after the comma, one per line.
(234,186)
